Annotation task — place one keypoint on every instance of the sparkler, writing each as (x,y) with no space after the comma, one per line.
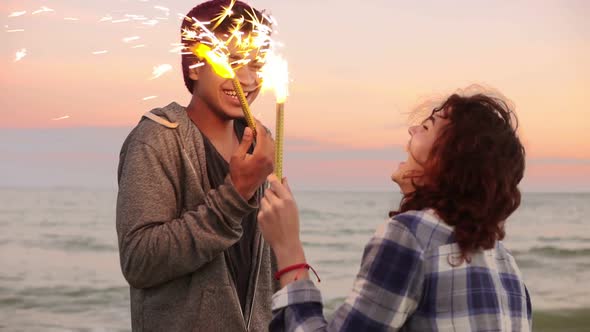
(275,76)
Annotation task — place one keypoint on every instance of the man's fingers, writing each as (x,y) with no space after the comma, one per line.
(245,144)
(262,130)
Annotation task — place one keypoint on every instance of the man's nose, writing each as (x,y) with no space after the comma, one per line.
(247,77)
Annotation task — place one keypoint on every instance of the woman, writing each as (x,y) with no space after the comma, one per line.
(438,263)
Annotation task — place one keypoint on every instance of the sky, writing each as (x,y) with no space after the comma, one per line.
(357,68)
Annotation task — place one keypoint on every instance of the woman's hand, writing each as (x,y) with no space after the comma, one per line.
(278,219)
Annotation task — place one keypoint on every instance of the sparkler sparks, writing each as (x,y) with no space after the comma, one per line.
(275,76)
(196,65)
(106,18)
(177,49)
(130,39)
(247,41)
(160,70)
(61,118)
(20,54)
(227,11)
(164,9)
(17,14)
(43,9)
(150,98)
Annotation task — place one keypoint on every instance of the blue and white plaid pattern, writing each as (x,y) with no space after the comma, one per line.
(411,280)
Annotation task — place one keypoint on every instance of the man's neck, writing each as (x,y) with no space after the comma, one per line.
(219,130)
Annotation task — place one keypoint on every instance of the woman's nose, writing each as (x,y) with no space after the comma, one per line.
(412,130)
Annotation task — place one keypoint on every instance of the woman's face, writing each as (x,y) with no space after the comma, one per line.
(422,137)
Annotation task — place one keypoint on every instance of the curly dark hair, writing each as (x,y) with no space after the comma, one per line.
(472,174)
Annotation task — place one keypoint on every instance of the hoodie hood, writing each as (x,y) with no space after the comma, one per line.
(170,116)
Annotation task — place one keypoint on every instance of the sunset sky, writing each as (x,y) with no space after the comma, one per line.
(357,68)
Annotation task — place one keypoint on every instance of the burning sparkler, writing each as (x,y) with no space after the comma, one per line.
(275,77)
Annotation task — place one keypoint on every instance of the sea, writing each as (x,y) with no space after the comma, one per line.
(59,266)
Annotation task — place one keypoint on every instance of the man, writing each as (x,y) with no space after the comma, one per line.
(189,191)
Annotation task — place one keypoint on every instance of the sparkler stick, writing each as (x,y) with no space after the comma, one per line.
(279,140)
(244,103)
(275,76)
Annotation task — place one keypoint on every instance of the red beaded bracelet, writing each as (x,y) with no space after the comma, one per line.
(296,267)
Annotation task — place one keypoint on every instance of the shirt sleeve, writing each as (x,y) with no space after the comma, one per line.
(385,292)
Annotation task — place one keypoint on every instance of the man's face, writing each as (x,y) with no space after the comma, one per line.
(218,93)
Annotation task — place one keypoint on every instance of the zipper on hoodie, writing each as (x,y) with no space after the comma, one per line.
(259,264)
(237,298)
(260,251)
(258,267)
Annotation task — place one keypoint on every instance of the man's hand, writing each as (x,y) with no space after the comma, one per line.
(249,171)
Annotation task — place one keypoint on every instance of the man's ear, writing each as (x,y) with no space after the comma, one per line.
(193,73)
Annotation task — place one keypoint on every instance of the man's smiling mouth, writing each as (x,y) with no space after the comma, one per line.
(233,94)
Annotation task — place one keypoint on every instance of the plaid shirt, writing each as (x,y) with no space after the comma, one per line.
(410,280)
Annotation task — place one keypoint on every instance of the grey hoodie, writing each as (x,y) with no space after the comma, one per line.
(173,230)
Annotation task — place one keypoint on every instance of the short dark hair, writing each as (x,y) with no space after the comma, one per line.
(208,11)
(472,174)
